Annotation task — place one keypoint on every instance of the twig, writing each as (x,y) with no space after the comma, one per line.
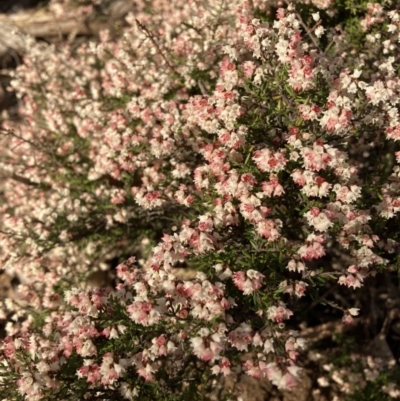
(197,30)
(26,181)
(333,305)
(151,37)
(325,330)
(307,30)
(305,27)
(203,89)
(12,133)
(217,23)
(317,302)
(329,46)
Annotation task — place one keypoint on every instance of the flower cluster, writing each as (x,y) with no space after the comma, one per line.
(208,136)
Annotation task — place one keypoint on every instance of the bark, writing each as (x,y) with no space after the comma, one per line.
(42,23)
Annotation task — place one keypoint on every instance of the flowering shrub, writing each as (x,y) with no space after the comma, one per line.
(238,142)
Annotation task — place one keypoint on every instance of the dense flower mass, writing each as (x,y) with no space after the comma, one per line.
(242,143)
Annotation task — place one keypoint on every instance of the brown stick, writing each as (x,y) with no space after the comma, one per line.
(44,24)
(325,330)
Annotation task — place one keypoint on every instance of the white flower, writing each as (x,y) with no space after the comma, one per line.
(316,16)
(354,311)
(88,348)
(323,381)
(319,31)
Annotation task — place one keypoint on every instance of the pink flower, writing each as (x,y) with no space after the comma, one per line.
(295,265)
(268,161)
(146,372)
(241,337)
(143,313)
(252,370)
(353,279)
(279,313)
(248,282)
(297,288)
(347,194)
(319,220)
(272,188)
(223,367)
(268,229)
(312,251)
(207,346)
(248,68)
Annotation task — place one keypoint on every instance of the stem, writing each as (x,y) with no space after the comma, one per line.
(151,37)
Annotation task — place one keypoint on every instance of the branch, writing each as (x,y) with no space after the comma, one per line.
(151,37)
(44,24)
(325,330)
